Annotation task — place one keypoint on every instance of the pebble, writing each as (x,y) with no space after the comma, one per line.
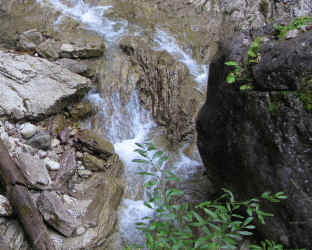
(28,130)
(55,142)
(41,141)
(5,206)
(52,165)
(8,125)
(42,154)
(84,173)
(79,155)
(80,230)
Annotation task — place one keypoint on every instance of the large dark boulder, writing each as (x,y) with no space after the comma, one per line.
(261,139)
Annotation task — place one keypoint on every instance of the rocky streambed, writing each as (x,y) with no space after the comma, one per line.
(81,82)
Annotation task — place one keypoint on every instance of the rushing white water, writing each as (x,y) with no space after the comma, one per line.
(169,43)
(93,18)
(127,124)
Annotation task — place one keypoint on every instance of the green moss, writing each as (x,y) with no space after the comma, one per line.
(295,24)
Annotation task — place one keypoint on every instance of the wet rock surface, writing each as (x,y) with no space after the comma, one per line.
(165,88)
(263,136)
(83,169)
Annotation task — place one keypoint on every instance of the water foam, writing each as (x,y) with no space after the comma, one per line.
(167,42)
(93,18)
(127,124)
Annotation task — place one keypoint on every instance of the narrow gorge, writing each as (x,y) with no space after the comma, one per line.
(83,81)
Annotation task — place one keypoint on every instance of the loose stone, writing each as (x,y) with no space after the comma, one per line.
(51,165)
(5,206)
(28,130)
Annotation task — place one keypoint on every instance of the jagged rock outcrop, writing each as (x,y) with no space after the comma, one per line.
(34,87)
(165,88)
(261,139)
(78,202)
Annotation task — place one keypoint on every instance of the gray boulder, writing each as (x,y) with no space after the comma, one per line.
(41,140)
(51,206)
(34,170)
(49,49)
(260,140)
(29,39)
(34,87)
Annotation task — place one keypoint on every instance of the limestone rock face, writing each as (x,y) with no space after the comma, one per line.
(165,88)
(260,140)
(32,87)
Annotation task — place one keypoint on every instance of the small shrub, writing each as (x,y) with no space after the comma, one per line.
(209,225)
(297,23)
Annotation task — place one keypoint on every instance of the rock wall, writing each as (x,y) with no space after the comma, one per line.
(73,176)
(165,88)
(260,139)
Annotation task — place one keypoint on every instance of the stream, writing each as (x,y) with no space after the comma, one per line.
(127,124)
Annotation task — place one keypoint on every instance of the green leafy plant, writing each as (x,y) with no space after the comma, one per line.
(253,55)
(235,73)
(297,23)
(267,245)
(243,73)
(179,225)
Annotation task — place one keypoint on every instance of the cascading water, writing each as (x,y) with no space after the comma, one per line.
(126,124)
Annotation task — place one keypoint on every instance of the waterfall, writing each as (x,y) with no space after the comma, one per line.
(126,124)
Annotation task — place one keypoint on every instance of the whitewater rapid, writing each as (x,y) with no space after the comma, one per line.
(137,120)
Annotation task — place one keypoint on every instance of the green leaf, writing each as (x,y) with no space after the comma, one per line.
(250,227)
(174,192)
(230,243)
(150,184)
(245,87)
(148,205)
(199,242)
(150,146)
(141,152)
(230,78)
(247,233)
(139,145)
(231,63)
(247,221)
(162,160)
(265,195)
(281,195)
(140,161)
(198,218)
(251,53)
(215,227)
(157,154)
(238,216)
(234,236)
(145,173)
(211,213)
(255,247)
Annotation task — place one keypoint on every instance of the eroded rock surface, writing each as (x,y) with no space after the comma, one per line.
(32,87)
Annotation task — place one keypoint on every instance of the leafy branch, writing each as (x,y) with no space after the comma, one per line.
(209,225)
